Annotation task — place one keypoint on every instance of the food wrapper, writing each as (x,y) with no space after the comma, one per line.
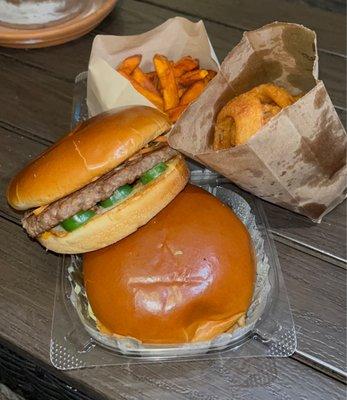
(298,159)
(175,38)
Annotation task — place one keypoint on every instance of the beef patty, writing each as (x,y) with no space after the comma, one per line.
(87,197)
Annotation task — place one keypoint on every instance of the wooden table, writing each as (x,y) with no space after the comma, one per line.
(36,89)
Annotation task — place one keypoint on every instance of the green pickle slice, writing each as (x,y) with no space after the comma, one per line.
(153,173)
(77,220)
(118,195)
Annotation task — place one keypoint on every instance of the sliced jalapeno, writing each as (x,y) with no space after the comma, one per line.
(118,195)
(153,173)
(77,220)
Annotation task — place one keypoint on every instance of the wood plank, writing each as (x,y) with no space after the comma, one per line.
(342,116)
(16,151)
(328,22)
(315,291)
(331,73)
(63,62)
(33,380)
(26,302)
(237,379)
(328,237)
(131,17)
(34,101)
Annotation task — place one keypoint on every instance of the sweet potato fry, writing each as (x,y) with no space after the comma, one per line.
(211,74)
(174,113)
(192,93)
(184,65)
(191,77)
(156,83)
(156,99)
(129,64)
(167,81)
(181,90)
(142,79)
(151,75)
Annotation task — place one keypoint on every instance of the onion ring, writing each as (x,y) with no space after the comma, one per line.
(244,115)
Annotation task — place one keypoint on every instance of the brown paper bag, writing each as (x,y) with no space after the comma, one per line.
(298,159)
(177,37)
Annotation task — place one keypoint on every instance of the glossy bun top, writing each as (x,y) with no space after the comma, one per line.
(188,275)
(82,156)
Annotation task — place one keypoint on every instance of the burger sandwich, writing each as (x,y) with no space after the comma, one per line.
(186,276)
(101,182)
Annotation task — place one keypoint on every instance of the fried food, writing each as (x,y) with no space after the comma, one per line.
(176,112)
(191,77)
(154,98)
(271,93)
(171,86)
(154,79)
(238,121)
(167,81)
(244,115)
(142,79)
(152,75)
(181,91)
(128,65)
(270,111)
(184,65)
(193,92)
(210,75)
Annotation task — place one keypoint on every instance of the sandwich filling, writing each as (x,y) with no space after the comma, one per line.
(77,208)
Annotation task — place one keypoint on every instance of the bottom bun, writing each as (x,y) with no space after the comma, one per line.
(124,219)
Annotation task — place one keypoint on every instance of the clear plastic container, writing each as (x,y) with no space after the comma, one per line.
(269,328)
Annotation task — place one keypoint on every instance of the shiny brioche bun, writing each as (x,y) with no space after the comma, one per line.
(124,219)
(92,149)
(188,275)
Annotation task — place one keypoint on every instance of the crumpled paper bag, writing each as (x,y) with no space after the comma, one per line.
(298,159)
(177,37)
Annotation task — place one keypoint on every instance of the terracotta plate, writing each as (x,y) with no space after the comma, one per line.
(43,23)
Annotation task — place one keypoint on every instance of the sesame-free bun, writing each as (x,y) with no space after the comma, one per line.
(92,149)
(124,219)
(187,275)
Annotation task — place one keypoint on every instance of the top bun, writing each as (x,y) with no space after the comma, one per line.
(82,156)
(188,275)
